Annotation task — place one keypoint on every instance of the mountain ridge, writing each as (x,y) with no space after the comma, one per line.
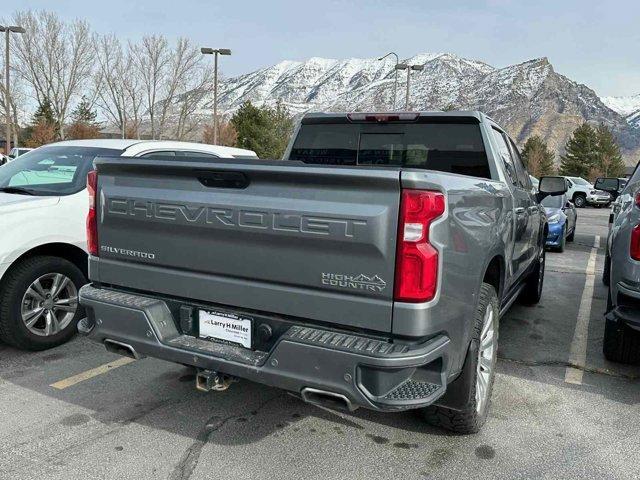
(526,98)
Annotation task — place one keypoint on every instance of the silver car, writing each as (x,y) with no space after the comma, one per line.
(622,271)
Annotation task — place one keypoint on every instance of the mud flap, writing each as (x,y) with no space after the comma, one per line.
(458,394)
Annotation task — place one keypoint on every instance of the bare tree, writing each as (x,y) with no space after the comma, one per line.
(109,79)
(54,58)
(152,57)
(195,87)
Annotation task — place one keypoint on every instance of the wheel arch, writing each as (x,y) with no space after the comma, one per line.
(494,274)
(72,253)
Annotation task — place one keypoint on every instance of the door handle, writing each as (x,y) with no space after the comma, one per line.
(519,210)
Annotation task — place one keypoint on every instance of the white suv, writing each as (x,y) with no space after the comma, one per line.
(581,193)
(43,207)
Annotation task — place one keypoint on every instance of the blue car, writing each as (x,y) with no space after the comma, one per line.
(561,217)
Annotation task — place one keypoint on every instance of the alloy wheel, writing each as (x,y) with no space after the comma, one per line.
(486,359)
(49,304)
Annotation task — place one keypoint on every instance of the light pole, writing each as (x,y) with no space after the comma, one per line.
(215,52)
(7,97)
(408,68)
(395,81)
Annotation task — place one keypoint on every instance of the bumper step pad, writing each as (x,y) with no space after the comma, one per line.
(346,342)
(412,390)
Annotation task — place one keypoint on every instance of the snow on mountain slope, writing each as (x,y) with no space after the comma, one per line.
(623,105)
(527,98)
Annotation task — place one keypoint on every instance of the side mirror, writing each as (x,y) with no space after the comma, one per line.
(551,187)
(607,184)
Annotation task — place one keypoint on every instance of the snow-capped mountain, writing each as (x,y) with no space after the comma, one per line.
(527,98)
(629,107)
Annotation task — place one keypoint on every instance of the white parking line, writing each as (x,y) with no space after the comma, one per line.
(578,352)
(94,372)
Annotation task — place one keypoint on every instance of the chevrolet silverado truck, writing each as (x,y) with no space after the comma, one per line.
(368,268)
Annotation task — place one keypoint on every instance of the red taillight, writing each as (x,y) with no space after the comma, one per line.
(634,246)
(416,259)
(637,199)
(92,226)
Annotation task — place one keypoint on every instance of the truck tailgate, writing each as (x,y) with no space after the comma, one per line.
(311,242)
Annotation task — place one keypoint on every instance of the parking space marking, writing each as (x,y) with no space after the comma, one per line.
(94,372)
(578,352)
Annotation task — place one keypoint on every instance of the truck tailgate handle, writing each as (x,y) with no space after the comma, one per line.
(223,179)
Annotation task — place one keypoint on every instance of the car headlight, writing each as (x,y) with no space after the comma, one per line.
(555,218)
(593,192)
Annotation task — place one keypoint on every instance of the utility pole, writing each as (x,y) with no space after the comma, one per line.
(408,68)
(7,97)
(395,81)
(215,52)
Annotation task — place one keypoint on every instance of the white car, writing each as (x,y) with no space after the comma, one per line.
(17,151)
(43,209)
(581,192)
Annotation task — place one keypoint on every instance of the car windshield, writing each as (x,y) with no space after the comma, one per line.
(580,181)
(54,170)
(552,202)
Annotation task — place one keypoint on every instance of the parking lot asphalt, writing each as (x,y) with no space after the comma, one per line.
(560,410)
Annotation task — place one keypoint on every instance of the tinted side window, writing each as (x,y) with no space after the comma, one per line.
(505,155)
(521,171)
(196,154)
(158,154)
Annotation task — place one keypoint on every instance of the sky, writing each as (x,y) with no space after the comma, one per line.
(595,43)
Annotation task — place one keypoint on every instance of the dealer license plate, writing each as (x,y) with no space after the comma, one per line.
(225,327)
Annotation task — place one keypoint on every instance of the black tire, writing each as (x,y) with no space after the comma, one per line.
(17,280)
(563,242)
(572,236)
(579,200)
(621,343)
(532,291)
(606,271)
(471,417)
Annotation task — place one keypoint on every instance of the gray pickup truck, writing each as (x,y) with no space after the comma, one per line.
(369,268)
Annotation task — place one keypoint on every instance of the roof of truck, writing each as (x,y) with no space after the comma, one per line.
(436,113)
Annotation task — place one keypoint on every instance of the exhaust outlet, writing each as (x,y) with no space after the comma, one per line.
(331,400)
(120,348)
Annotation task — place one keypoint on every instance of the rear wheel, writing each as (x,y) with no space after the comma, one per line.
(580,200)
(39,306)
(621,343)
(532,291)
(483,354)
(606,271)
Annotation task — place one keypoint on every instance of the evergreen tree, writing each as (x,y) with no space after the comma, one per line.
(581,152)
(83,113)
(43,128)
(610,163)
(537,157)
(83,122)
(264,130)
(44,114)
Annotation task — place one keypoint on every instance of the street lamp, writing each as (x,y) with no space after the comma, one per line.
(408,68)
(395,81)
(7,98)
(215,52)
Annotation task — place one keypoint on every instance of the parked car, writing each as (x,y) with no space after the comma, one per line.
(43,208)
(621,273)
(581,192)
(292,273)
(17,151)
(562,218)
